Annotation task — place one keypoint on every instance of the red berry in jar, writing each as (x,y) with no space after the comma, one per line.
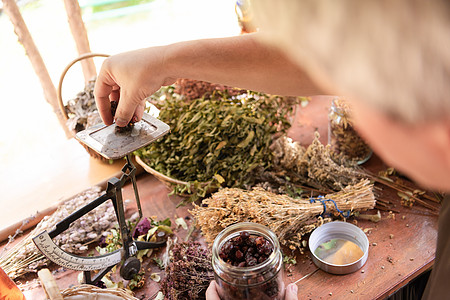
(253,269)
(252,249)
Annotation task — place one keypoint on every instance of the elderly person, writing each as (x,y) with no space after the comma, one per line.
(391,59)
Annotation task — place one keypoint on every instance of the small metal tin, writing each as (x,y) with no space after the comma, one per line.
(339,230)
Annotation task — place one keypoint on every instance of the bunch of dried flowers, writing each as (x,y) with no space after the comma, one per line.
(82,110)
(194,89)
(189,272)
(318,169)
(316,166)
(287,217)
(342,136)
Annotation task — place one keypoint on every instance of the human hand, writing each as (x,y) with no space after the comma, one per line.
(129,78)
(291,292)
(212,294)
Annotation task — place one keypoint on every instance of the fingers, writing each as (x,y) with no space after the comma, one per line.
(139,111)
(127,79)
(211,292)
(102,91)
(115,94)
(127,108)
(291,292)
(106,90)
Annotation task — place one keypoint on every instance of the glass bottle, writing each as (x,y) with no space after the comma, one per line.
(342,137)
(244,16)
(8,289)
(261,281)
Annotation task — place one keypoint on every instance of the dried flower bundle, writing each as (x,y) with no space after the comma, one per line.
(343,138)
(24,257)
(188,273)
(85,291)
(82,110)
(195,89)
(319,169)
(316,166)
(289,218)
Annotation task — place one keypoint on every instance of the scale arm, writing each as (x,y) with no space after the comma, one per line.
(64,224)
(140,245)
(74,262)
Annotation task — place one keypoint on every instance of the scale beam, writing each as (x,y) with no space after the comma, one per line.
(111,144)
(74,262)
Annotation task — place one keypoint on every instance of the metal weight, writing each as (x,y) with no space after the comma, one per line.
(130,267)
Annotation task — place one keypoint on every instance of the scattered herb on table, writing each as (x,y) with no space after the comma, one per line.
(137,281)
(146,230)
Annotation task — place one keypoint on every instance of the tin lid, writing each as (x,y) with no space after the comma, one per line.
(332,233)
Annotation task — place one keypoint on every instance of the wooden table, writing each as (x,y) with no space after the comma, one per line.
(401,246)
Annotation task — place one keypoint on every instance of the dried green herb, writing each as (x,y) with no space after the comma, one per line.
(194,89)
(217,140)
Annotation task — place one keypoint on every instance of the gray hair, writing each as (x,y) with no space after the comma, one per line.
(393,54)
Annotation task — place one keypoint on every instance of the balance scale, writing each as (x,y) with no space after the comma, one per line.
(111,143)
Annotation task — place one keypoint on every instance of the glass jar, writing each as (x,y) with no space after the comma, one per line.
(8,289)
(261,281)
(342,137)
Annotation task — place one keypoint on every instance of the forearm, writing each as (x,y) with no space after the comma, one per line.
(240,61)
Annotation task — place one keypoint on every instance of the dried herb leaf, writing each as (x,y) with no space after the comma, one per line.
(216,140)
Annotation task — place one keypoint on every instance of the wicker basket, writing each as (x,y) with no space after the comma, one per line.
(62,107)
(79,292)
(90,292)
(168,181)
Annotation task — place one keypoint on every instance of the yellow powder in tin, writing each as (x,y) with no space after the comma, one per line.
(339,252)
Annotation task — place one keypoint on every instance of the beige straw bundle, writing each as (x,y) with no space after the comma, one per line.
(289,218)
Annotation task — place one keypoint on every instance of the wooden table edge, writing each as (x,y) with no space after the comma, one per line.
(407,279)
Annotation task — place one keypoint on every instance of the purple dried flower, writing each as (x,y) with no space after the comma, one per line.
(100,284)
(102,242)
(142,227)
